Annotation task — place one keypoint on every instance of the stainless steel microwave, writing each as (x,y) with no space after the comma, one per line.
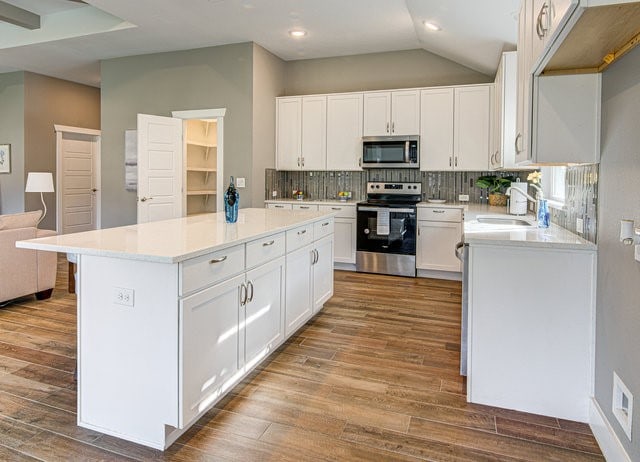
(390,152)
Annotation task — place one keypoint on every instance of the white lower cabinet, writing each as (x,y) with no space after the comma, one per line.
(209,342)
(439,230)
(298,288)
(322,269)
(309,282)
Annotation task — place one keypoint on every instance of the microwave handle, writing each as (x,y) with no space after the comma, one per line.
(407,147)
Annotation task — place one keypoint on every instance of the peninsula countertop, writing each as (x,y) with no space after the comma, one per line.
(176,240)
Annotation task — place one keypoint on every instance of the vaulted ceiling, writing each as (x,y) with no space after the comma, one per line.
(74,36)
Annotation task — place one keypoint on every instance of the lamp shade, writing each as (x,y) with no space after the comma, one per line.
(39,182)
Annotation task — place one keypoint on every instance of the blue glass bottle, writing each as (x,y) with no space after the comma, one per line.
(231,203)
(543,214)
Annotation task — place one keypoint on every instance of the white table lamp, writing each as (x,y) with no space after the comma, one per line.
(41,182)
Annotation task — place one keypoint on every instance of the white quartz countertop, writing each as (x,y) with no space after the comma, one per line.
(172,241)
(312,201)
(476,233)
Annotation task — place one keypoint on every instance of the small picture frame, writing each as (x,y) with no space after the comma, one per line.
(5,158)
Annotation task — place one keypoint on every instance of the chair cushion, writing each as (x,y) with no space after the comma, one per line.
(20,220)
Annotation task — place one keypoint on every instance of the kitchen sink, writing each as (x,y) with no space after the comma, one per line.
(507,221)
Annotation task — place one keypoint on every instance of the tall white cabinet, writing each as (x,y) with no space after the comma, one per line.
(344,131)
(454,128)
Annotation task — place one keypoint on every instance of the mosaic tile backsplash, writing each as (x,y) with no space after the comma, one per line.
(581,188)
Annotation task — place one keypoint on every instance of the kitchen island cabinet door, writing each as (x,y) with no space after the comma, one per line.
(345,240)
(322,272)
(263,320)
(298,305)
(209,346)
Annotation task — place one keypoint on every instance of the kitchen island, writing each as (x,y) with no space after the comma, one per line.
(531,305)
(172,314)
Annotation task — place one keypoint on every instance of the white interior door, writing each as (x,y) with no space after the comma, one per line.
(159,168)
(77,179)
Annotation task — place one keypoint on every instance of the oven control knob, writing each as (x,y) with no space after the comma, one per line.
(377,186)
(366,231)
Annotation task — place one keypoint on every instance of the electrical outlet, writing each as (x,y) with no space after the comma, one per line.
(622,404)
(123,296)
(463,197)
(274,193)
(579,225)
(240,182)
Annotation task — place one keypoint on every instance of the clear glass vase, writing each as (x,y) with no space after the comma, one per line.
(231,203)
(543,214)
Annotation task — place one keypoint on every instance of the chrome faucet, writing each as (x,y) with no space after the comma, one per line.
(536,200)
(511,188)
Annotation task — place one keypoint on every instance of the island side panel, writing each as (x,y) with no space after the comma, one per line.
(128,355)
(531,329)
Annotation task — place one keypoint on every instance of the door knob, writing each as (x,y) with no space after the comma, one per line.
(144,199)
(93,189)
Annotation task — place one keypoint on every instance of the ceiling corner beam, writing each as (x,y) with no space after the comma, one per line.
(18,16)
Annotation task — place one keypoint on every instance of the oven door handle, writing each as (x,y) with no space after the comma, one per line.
(390,209)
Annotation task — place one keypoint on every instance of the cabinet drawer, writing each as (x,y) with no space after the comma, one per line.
(439,214)
(304,207)
(265,249)
(299,237)
(208,269)
(342,211)
(279,206)
(322,228)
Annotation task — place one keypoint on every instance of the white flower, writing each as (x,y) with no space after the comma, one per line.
(535,177)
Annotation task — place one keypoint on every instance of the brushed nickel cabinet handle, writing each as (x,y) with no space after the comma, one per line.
(302,232)
(243,294)
(450,161)
(387,129)
(325,224)
(145,199)
(267,244)
(217,260)
(438,211)
(518,136)
(249,297)
(393,127)
(336,208)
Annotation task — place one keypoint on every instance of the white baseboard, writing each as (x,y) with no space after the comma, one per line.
(607,439)
(448,275)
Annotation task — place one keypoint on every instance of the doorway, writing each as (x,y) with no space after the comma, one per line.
(78,195)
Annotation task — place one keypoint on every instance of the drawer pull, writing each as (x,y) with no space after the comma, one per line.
(217,260)
(325,224)
(279,206)
(304,207)
(267,244)
(302,232)
(336,208)
(438,211)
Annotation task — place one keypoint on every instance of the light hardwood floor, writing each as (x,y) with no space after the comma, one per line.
(373,377)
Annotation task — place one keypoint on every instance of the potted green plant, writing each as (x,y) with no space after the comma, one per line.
(495,186)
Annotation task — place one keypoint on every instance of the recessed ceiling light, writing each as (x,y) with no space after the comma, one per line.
(432,26)
(297,33)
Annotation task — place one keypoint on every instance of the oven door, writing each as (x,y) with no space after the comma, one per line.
(386,240)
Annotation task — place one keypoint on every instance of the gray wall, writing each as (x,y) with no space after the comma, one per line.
(618,292)
(12,132)
(377,71)
(268,82)
(49,101)
(159,83)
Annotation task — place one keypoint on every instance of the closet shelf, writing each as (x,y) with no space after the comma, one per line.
(200,169)
(201,143)
(201,192)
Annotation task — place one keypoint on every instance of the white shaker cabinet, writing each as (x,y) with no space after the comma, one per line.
(344,131)
(439,230)
(288,133)
(523,117)
(322,267)
(391,113)
(208,345)
(301,133)
(454,128)
(344,232)
(504,113)
(299,306)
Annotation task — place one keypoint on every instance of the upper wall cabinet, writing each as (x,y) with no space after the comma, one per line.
(301,133)
(504,113)
(391,113)
(454,128)
(344,131)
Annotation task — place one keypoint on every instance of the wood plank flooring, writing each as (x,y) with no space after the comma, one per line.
(373,377)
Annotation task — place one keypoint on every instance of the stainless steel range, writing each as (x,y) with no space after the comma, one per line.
(386,229)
